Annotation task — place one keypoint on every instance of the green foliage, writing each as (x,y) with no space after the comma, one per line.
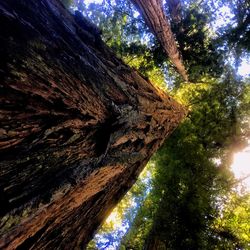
(232,226)
(237,35)
(198,48)
(126,33)
(183,208)
(124,213)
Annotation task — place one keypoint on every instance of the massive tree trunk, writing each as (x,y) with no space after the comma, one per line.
(77,126)
(154,16)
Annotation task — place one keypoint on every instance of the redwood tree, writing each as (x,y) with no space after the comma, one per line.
(76,126)
(155,17)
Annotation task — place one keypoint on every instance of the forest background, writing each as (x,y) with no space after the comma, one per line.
(187,197)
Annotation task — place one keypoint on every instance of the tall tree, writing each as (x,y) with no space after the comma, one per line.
(77,126)
(153,14)
(174,7)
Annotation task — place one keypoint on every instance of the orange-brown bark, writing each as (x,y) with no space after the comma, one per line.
(77,126)
(154,16)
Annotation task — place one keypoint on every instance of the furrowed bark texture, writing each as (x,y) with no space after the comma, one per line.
(154,16)
(77,126)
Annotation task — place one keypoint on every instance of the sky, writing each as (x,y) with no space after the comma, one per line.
(241,166)
(93,1)
(244,69)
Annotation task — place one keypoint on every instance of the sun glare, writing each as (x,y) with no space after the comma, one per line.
(244,69)
(241,167)
(114,220)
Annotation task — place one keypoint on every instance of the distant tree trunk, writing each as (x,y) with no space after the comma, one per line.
(154,243)
(174,7)
(77,126)
(154,16)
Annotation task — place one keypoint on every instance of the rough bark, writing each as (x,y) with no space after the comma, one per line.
(77,126)
(154,16)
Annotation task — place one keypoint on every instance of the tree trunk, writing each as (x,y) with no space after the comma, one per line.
(174,7)
(154,16)
(154,243)
(77,126)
